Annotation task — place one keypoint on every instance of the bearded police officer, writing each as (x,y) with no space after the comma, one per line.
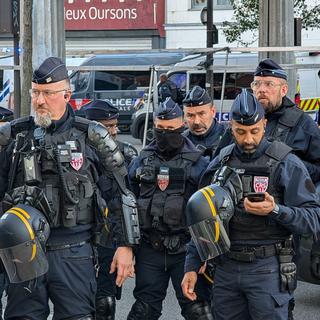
(256,278)
(285,122)
(199,113)
(163,177)
(107,114)
(52,162)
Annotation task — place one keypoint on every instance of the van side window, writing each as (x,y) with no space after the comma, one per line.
(179,79)
(234,83)
(79,81)
(121,80)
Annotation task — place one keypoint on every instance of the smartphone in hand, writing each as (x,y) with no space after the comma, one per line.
(256,196)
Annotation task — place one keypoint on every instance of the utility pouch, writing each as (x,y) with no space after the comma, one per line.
(288,271)
(156,241)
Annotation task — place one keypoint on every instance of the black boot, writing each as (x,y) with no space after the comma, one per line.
(198,310)
(141,310)
(105,308)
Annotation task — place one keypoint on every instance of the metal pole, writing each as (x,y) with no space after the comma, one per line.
(209,61)
(148,107)
(223,85)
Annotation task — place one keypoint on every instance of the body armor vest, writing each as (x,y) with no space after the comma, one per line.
(164,191)
(257,176)
(65,173)
(285,124)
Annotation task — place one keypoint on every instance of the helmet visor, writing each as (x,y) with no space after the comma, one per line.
(210,238)
(25,261)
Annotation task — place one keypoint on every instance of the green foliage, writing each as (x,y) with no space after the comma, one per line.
(246,15)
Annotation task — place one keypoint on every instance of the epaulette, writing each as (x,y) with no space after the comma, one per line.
(278,150)
(81,123)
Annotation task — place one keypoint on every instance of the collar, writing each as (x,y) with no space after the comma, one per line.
(245,157)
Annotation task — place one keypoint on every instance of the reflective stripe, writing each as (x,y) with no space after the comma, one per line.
(309,104)
(207,192)
(22,215)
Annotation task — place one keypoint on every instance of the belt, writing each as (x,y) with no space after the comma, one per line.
(66,246)
(250,254)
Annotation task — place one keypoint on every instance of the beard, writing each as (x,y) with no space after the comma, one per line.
(268,106)
(43,121)
(248,148)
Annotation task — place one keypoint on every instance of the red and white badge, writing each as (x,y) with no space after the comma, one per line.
(163,181)
(260,184)
(76,160)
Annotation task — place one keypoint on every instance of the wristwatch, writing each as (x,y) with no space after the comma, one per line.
(276,209)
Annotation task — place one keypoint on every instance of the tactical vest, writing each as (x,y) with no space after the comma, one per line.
(257,176)
(164,191)
(285,124)
(67,176)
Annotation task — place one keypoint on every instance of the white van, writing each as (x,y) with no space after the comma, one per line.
(239,74)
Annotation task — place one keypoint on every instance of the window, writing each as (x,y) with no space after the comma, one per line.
(121,80)
(217,4)
(79,81)
(179,79)
(234,83)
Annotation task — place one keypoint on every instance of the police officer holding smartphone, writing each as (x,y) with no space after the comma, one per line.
(256,278)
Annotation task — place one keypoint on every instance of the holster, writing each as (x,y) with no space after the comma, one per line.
(288,270)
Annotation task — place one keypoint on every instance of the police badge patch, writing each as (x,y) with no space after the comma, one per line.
(260,184)
(163,178)
(76,160)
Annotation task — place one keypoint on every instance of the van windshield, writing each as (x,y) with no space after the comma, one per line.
(121,80)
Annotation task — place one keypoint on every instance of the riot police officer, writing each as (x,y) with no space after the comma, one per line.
(285,122)
(283,201)
(163,177)
(107,291)
(199,113)
(52,162)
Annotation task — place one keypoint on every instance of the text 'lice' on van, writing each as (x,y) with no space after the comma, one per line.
(240,68)
(120,78)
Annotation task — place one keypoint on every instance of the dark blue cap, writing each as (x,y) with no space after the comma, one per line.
(246,109)
(5,115)
(269,68)
(100,110)
(196,97)
(168,110)
(51,70)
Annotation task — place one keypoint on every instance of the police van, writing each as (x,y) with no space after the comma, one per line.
(6,83)
(120,78)
(238,71)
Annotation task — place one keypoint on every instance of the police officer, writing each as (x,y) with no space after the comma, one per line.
(107,114)
(167,89)
(285,122)
(163,177)
(107,291)
(52,161)
(199,113)
(247,278)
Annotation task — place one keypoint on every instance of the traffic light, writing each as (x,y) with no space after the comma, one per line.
(215,34)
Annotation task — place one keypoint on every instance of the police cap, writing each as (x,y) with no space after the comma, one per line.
(51,70)
(269,68)
(100,110)
(5,115)
(246,109)
(168,110)
(196,97)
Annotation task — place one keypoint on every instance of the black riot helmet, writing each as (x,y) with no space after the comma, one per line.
(24,231)
(208,211)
